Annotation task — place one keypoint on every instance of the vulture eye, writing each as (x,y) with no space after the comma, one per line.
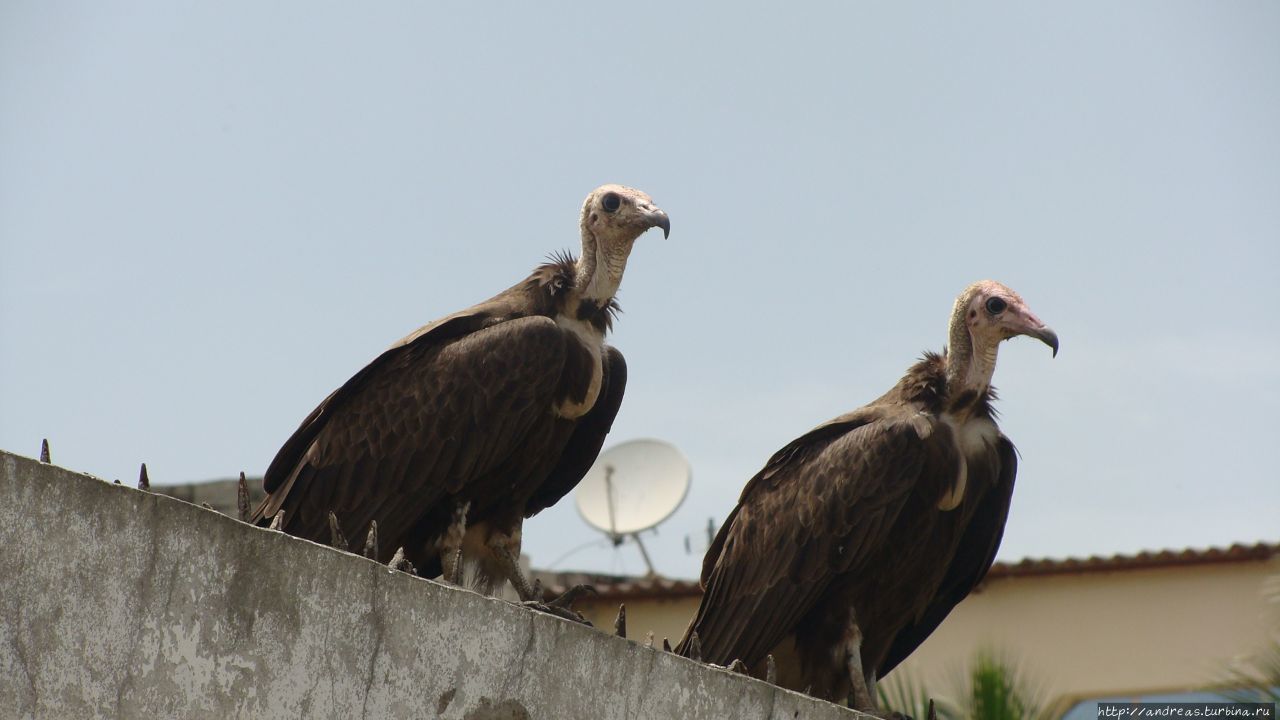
(611,202)
(995,305)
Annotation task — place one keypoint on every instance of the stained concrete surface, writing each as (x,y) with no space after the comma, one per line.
(118,603)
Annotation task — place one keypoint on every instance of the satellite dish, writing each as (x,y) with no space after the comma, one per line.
(633,486)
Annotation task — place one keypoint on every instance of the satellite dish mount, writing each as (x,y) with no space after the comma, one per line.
(613,525)
(632,487)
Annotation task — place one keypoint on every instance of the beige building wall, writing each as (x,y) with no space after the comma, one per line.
(1081,635)
(1111,633)
(664,617)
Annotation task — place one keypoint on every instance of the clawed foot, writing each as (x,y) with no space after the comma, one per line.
(562,607)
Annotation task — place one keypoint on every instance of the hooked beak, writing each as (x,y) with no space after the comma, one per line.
(1022,322)
(1046,336)
(658,218)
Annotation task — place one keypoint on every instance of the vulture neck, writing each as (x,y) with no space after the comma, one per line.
(600,268)
(969,365)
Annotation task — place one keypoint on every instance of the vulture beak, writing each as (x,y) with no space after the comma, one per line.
(1046,336)
(657,218)
(1022,322)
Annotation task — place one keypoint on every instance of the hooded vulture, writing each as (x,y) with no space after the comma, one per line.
(468,425)
(855,540)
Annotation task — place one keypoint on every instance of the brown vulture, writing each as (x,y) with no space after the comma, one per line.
(468,425)
(856,539)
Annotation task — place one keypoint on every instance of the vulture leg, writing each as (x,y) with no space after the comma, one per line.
(859,694)
(451,545)
(505,549)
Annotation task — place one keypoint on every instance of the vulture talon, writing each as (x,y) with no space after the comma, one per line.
(567,599)
(562,606)
(277,520)
(561,612)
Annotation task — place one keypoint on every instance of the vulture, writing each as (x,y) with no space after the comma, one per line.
(857,539)
(453,436)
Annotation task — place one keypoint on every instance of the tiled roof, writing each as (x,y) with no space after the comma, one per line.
(609,587)
(1140,561)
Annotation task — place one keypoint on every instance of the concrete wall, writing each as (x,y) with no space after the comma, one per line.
(121,603)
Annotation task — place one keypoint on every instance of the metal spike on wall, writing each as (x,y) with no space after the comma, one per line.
(242,498)
(620,623)
(144,482)
(400,562)
(336,538)
(44,451)
(695,647)
(371,541)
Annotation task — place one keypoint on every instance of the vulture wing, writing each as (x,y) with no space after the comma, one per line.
(974,556)
(587,439)
(429,417)
(439,332)
(819,508)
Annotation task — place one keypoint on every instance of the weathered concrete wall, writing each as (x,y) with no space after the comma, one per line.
(121,603)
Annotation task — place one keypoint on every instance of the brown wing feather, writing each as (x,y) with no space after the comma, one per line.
(818,509)
(436,333)
(587,439)
(426,419)
(973,558)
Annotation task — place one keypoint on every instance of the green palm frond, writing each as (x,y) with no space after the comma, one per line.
(999,690)
(1257,678)
(905,693)
(989,687)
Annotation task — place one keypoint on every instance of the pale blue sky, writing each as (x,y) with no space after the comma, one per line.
(212,214)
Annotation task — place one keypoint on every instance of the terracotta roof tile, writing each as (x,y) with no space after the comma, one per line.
(612,587)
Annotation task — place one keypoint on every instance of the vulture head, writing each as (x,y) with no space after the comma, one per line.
(985,314)
(613,216)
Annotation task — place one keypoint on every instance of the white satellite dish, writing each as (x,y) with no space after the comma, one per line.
(633,486)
